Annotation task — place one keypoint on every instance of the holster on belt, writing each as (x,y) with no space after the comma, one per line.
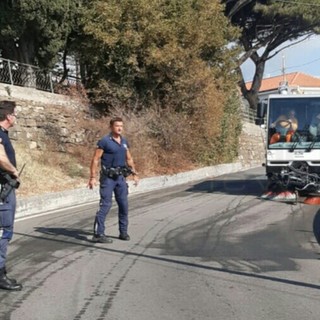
(114,173)
(8,183)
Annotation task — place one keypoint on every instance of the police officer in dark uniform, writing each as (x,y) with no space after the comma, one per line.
(116,164)
(8,172)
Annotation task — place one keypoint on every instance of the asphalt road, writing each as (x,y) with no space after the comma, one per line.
(207,250)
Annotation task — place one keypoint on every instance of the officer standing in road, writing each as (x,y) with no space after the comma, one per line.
(8,202)
(116,164)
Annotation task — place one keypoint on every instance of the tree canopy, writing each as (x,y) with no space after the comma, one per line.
(153,49)
(266,25)
(172,57)
(147,49)
(34,31)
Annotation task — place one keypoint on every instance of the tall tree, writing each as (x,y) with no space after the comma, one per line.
(169,58)
(34,31)
(265,26)
(151,49)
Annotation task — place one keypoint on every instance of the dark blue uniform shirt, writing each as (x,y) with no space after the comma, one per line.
(114,154)
(8,146)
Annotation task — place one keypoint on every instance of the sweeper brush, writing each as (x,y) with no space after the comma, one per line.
(282,196)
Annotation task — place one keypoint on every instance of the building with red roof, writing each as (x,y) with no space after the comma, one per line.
(296,82)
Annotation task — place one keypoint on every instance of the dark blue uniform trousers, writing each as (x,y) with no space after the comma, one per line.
(120,189)
(7,213)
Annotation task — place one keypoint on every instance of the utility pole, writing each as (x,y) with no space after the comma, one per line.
(283,68)
(283,85)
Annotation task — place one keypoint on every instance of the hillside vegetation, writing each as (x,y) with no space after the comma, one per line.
(160,145)
(166,67)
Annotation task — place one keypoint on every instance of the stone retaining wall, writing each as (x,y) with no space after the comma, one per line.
(252,146)
(44,117)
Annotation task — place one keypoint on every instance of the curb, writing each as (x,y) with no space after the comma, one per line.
(60,200)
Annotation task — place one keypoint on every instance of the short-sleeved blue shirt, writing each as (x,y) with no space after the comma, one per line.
(114,154)
(5,141)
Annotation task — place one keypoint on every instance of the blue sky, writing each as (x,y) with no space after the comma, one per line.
(303,57)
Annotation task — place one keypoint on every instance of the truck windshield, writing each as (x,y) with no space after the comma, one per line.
(294,123)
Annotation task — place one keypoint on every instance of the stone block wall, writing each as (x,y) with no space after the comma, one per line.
(252,145)
(44,117)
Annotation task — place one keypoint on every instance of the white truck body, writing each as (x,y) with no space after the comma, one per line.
(292,141)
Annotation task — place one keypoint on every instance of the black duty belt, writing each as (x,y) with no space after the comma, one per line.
(114,173)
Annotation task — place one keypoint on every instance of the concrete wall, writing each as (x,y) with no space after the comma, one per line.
(46,203)
(30,94)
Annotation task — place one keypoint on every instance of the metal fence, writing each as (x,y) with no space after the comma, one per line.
(249,115)
(25,75)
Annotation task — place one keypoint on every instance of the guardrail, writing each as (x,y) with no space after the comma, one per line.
(25,75)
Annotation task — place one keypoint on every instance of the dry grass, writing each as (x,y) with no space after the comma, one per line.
(47,172)
(53,171)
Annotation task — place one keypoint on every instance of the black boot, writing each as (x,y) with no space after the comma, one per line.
(8,284)
(10,279)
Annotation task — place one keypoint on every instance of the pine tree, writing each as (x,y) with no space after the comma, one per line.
(265,26)
(34,31)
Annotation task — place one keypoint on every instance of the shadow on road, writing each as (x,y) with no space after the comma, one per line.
(78,234)
(253,187)
(137,255)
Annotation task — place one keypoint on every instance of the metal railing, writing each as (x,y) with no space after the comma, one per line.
(25,75)
(249,115)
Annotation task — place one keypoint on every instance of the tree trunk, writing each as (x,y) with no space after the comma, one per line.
(25,49)
(65,67)
(237,7)
(251,94)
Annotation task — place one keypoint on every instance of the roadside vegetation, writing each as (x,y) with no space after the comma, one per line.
(160,144)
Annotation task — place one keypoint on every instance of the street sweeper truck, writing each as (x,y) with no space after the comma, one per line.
(292,123)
